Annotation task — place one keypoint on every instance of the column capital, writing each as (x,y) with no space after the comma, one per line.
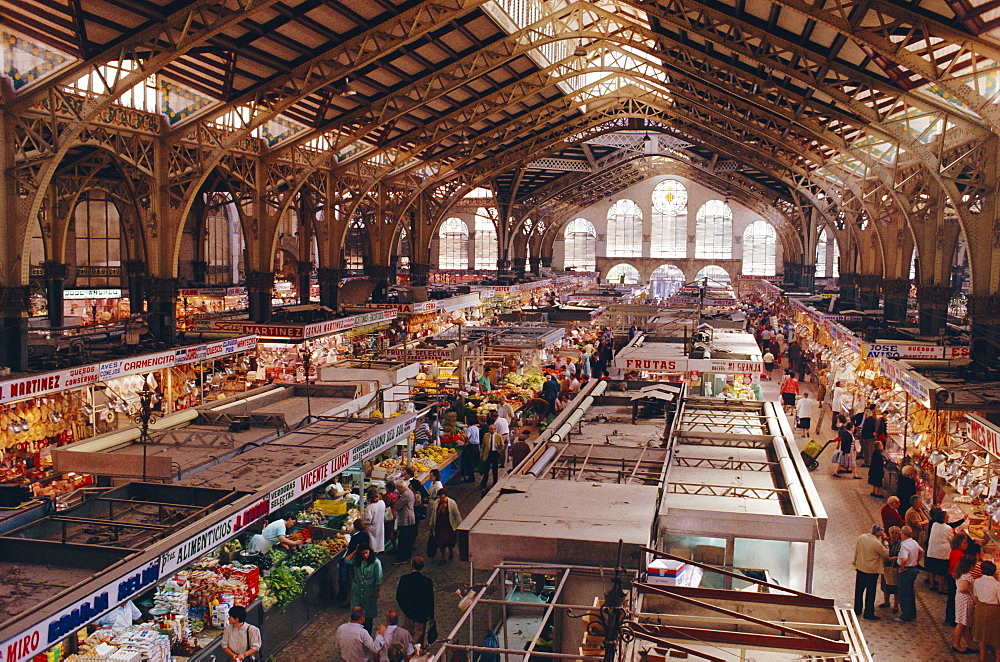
(328,275)
(940,294)
(984,306)
(896,287)
(260,280)
(52,270)
(868,281)
(160,288)
(15,301)
(303,266)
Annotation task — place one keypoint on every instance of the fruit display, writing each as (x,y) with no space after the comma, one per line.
(336,543)
(436,454)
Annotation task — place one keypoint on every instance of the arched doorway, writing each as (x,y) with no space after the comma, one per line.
(623,274)
(665,281)
(716,275)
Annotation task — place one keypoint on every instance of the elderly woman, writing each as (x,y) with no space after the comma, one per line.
(890,571)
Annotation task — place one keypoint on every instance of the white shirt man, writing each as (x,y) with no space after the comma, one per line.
(356,645)
(806,407)
(120,617)
(502,426)
(392,634)
(472,435)
(909,553)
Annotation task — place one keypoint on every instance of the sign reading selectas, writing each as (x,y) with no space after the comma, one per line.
(67,621)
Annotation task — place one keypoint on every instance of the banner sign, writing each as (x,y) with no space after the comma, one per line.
(213,292)
(726,366)
(907,381)
(67,621)
(985,434)
(898,351)
(424,354)
(60,380)
(325,472)
(189,550)
(110,293)
(294,331)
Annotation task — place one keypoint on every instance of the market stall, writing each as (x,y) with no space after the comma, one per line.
(178,551)
(205,302)
(738,495)
(50,410)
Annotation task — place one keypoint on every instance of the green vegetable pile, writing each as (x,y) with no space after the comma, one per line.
(277,555)
(310,555)
(286,584)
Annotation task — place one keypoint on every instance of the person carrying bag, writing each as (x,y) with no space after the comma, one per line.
(240,640)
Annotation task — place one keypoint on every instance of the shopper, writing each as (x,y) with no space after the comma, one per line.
(890,514)
(354,640)
(491,454)
(365,584)
(837,401)
(359,540)
(866,422)
(420,494)
(806,410)
(768,364)
(870,553)
(390,498)
(909,557)
(876,470)
(436,486)
(505,410)
(917,518)
(406,523)
(958,546)
(906,488)
(375,520)
(240,640)
(415,597)
(986,620)
(939,537)
(890,571)
(470,452)
(444,522)
(550,393)
(961,638)
(847,456)
(394,635)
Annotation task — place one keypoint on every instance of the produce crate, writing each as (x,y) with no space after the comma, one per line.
(331,507)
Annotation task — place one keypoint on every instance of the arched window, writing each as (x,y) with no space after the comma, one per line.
(223,240)
(403,251)
(913,266)
(759,241)
(624,229)
(716,275)
(714,231)
(623,274)
(98,241)
(454,244)
(486,241)
(821,261)
(669,220)
(581,245)
(356,246)
(665,281)
(835,260)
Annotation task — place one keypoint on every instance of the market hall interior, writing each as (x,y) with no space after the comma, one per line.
(247,248)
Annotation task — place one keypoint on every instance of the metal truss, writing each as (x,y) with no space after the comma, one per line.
(732,491)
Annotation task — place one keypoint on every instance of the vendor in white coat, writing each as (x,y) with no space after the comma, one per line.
(375,519)
(122,616)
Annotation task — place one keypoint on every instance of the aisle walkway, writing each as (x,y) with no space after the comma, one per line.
(851,512)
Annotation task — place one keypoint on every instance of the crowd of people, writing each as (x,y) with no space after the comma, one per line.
(911,538)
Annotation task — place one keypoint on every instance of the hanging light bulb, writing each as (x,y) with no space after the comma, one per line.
(978,489)
(151,380)
(966,480)
(580,50)
(936,457)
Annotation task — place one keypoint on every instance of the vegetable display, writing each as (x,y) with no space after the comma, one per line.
(310,555)
(285,584)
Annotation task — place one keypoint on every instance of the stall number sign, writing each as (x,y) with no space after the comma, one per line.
(176,558)
(67,621)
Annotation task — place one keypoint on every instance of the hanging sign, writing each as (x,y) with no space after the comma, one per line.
(985,434)
(109,293)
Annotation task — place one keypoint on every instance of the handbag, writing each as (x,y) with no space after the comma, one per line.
(891,575)
(432,546)
(432,631)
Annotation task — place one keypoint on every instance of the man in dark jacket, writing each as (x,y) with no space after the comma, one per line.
(415,597)
(549,392)
(866,422)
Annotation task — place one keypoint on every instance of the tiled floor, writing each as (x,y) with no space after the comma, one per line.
(849,508)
